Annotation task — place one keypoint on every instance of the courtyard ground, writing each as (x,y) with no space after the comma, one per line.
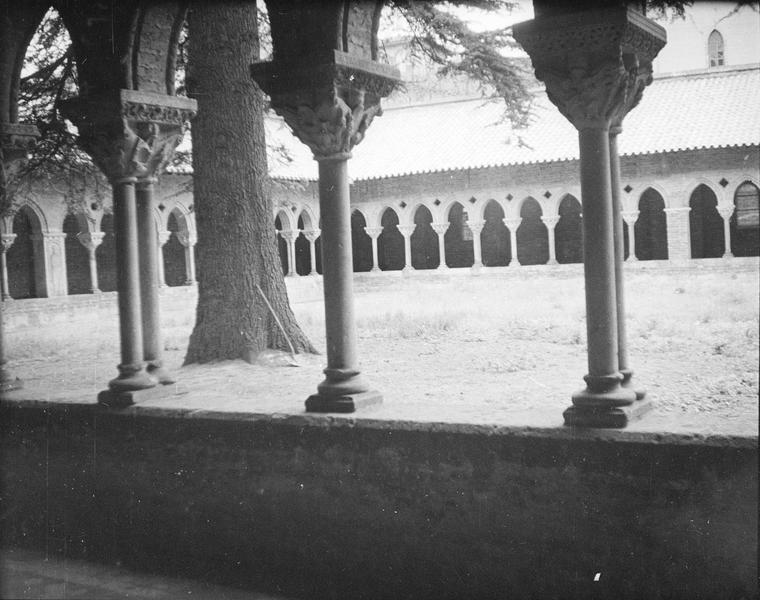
(500,348)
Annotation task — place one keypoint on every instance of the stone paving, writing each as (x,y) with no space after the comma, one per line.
(27,574)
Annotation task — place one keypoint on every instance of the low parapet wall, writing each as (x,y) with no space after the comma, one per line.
(317,507)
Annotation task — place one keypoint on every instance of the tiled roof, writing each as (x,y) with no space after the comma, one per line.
(688,111)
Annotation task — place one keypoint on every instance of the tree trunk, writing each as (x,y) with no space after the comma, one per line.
(233,206)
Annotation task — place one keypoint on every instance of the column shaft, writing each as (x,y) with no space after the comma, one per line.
(190,263)
(599,258)
(131,373)
(313,255)
(442,251)
(6,294)
(407,251)
(375,261)
(726,216)
(149,298)
(619,243)
(94,287)
(342,376)
(477,253)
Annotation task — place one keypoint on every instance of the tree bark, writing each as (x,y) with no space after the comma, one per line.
(233,207)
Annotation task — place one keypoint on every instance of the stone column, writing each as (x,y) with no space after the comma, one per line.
(407,231)
(16,140)
(726,211)
(312,235)
(679,233)
(513,225)
(630,217)
(329,98)
(153,344)
(476,227)
(6,241)
(290,238)
(595,65)
(619,241)
(374,233)
(130,136)
(91,240)
(551,223)
(188,241)
(163,238)
(441,229)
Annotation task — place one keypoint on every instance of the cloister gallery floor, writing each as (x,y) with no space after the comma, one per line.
(496,348)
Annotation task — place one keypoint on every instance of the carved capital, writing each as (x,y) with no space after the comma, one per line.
(630,216)
(550,221)
(6,241)
(91,239)
(312,234)
(130,134)
(163,237)
(288,235)
(186,238)
(406,230)
(476,226)
(328,105)
(726,211)
(440,228)
(373,232)
(595,64)
(512,224)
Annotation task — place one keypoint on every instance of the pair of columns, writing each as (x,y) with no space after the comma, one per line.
(595,65)
(131,136)
(290,236)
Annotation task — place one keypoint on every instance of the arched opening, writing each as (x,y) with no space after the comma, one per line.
(105,254)
(532,236)
(361,243)
(282,245)
(77,258)
(458,238)
(568,232)
(390,244)
(494,239)
(705,224)
(715,49)
(745,222)
(303,247)
(24,263)
(424,241)
(175,270)
(651,228)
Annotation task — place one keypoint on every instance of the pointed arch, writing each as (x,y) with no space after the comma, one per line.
(458,237)
(651,228)
(568,232)
(390,243)
(532,235)
(25,258)
(495,237)
(745,222)
(424,240)
(705,224)
(77,256)
(715,49)
(361,243)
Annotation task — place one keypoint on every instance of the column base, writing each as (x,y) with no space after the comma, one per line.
(611,417)
(342,404)
(160,373)
(131,378)
(628,384)
(122,399)
(408,270)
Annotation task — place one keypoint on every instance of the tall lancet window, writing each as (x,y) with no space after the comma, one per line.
(715,49)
